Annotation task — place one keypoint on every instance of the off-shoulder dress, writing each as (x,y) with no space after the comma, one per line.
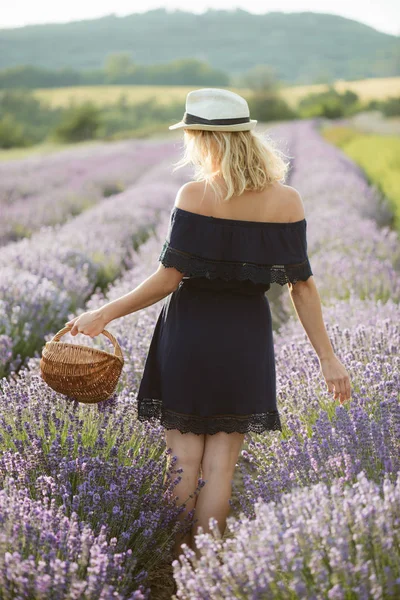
(211,364)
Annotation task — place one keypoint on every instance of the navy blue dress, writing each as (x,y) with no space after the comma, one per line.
(211,363)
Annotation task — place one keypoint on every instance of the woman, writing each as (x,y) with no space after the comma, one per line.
(209,376)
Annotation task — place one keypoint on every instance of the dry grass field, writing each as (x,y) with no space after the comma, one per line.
(368,89)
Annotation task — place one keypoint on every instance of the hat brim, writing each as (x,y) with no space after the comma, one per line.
(237,127)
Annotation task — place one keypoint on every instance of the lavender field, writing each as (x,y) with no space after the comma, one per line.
(84,512)
(42,191)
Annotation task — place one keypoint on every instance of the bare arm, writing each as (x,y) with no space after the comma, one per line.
(307,304)
(161,283)
(158,285)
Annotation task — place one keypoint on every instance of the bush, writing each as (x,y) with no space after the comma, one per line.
(25,120)
(391,107)
(373,105)
(12,133)
(78,123)
(122,120)
(269,106)
(329,104)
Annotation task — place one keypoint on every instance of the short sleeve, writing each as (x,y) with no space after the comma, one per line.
(183,247)
(264,253)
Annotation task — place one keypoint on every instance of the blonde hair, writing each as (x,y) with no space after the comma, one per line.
(246,160)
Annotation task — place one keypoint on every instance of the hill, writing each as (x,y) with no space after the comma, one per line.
(303,47)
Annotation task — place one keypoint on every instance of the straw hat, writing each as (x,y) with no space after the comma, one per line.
(216,109)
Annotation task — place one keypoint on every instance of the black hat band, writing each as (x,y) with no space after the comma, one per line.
(193,120)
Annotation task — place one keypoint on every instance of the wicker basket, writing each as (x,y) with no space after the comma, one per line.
(86,374)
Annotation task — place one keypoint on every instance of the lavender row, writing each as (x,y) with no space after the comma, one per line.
(84,509)
(47,190)
(66,558)
(321,439)
(53,273)
(350,252)
(324,541)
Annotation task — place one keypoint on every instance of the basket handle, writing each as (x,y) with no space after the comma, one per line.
(117,347)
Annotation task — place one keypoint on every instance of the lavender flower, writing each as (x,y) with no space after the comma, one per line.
(323,541)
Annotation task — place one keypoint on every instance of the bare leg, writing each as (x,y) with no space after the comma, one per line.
(189,448)
(221,452)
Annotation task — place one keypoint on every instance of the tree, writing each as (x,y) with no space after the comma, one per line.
(79,123)
(118,65)
(261,78)
(265,106)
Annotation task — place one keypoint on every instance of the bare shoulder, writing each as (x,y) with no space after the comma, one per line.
(295,206)
(189,195)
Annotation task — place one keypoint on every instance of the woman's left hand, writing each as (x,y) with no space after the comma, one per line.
(89,323)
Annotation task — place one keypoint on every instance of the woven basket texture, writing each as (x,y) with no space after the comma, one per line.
(88,375)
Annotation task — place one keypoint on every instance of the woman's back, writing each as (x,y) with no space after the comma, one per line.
(277,203)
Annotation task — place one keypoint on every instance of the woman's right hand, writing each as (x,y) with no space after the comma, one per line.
(336,377)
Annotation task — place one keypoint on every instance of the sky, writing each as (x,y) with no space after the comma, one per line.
(383,15)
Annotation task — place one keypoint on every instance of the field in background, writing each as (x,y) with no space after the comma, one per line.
(366,121)
(367,89)
(45,148)
(40,149)
(50,147)
(377,155)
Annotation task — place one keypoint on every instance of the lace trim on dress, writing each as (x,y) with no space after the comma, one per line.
(197,266)
(151,408)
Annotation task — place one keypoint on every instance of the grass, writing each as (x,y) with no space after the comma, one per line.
(379,157)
